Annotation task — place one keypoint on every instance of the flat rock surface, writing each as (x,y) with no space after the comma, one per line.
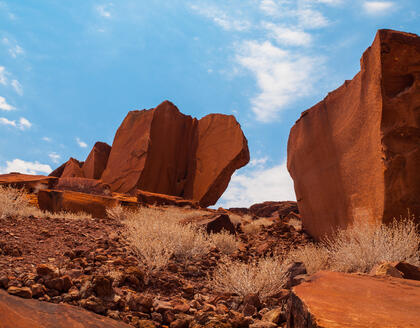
(332,299)
(17,312)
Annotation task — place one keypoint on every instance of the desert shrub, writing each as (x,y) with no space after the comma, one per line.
(155,237)
(225,242)
(362,246)
(89,186)
(117,213)
(256,225)
(66,215)
(314,257)
(265,276)
(14,202)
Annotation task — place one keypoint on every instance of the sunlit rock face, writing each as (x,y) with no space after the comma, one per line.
(355,156)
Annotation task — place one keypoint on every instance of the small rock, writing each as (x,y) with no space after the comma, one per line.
(146,324)
(252,299)
(386,269)
(262,324)
(38,290)
(24,292)
(4,282)
(102,286)
(249,310)
(276,316)
(47,271)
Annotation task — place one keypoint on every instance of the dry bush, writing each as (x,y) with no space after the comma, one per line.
(156,236)
(314,257)
(256,225)
(88,186)
(362,246)
(118,213)
(264,277)
(66,215)
(225,242)
(14,202)
(237,219)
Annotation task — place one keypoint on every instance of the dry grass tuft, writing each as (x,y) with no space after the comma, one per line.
(15,202)
(315,257)
(117,213)
(256,225)
(362,246)
(225,242)
(156,236)
(264,277)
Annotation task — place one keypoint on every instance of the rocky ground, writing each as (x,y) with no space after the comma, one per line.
(88,263)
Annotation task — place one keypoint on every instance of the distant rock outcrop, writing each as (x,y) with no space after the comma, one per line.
(96,162)
(355,156)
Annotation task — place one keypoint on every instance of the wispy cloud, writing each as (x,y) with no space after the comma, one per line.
(378,7)
(281,76)
(221,18)
(4,105)
(47,139)
(13,47)
(18,165)
(81,143)
(55,158)
(17,86)
(245,189)
(3,79)
(288,35)
(21,124)
(104,10)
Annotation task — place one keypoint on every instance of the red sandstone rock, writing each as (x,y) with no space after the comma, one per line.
(88,186)
(96,162)
(16,312)
(332,299)
(31,183)
(73,168)
(75,202)
(164,151)
(160,199)
(355,156)
(268,209)
(212,223)
(409,271)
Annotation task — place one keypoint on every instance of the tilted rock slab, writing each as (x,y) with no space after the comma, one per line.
(164,151)
(17,312)
(96,162)
(333,299)
(355,156)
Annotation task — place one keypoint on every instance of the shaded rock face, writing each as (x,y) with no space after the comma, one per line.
(96,162)
(72,169)
(16,312)
(355,155)
(164,151)
(332,299)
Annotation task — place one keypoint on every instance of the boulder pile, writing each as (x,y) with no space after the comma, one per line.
(355,156)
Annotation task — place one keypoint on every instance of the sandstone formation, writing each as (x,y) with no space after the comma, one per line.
(213,223)
(30,183)
(89,186)
(16,312)
(69,201)
(332,299)
(164,151)
(146,197)
(73,168)
(96,162)
(354,157)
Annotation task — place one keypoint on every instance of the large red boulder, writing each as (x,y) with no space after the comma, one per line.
(164,151)
(333,299)
(96,162)
(355,156)
(16,312)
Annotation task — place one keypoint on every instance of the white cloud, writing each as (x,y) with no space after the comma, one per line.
(18,165)
(81,143)
(258,186)
(221,18)
(3,79)
(24,123)
(55,158)
(269,7)
(288,36)
(17,86)
(14,49)
(103,11)
(4,105)
(282,76)
(47,139)
(258,162)
(378,7)
(5,121)
(310,18)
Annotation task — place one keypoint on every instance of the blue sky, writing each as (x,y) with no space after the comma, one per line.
(71,70)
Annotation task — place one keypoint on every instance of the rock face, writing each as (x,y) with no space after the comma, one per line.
(30,183)
(164,151)
(355,155)
(72,169)
(16,312)
(96,162)
(332,299)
